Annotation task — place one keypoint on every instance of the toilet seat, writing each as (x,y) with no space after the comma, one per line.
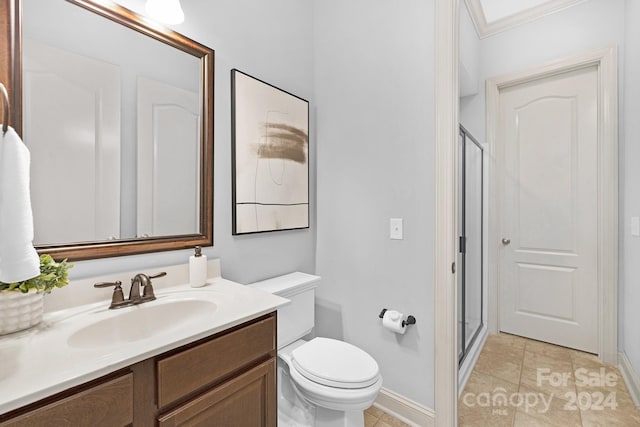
(335,363)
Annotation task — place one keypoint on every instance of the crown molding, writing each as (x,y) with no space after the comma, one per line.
(486,29)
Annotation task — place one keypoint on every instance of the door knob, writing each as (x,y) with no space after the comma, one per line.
(505,241)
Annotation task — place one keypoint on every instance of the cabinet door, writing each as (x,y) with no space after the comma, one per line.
(248,400)
(109,404)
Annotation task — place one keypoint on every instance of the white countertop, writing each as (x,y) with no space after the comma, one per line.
(40,362)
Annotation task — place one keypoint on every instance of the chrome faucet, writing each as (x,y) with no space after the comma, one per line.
(144,280)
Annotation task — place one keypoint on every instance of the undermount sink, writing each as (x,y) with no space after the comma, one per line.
(142,321)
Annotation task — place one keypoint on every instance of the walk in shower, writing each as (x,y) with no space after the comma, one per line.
(470,220)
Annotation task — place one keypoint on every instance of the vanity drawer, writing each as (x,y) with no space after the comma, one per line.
(182,374)
(107,404)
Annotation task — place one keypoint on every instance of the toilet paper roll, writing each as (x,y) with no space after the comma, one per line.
(392,320)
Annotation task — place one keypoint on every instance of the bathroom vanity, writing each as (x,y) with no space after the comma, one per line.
(218,369)
(228,379)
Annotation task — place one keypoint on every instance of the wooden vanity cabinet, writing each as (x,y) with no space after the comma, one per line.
(228,379)
(109,403)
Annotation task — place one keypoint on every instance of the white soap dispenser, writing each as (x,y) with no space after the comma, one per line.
(198,269)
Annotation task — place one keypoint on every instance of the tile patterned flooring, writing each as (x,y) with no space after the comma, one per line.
(544,385)
(374,417)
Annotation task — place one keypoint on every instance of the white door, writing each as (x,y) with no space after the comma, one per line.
(71,104)
(548,134)
(168,141)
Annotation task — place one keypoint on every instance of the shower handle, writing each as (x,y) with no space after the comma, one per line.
(505,241)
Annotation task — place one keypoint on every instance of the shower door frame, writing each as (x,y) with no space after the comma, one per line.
(462,246)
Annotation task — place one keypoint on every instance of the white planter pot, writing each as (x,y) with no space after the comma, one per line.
(20,311)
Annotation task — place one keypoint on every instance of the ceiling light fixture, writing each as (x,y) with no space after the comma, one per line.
(165,11)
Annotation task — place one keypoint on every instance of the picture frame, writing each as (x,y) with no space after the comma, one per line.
(270,157)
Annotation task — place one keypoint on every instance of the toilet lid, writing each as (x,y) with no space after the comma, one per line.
(335,363)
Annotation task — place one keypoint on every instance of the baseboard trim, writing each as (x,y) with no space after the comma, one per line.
(467,366)
(406,410)
(630,377)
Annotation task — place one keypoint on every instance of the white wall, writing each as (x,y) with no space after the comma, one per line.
(468,78)
(270,40)
(374,86)
(630,156)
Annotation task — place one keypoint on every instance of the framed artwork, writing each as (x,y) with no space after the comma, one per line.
(270,157)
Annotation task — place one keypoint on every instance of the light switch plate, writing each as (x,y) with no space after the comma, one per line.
(395,229)
(635,226)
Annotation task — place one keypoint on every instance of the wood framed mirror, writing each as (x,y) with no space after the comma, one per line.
(117,112)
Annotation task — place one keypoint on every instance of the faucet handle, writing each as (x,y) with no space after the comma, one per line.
(156,275)
(117,299)
(117,283)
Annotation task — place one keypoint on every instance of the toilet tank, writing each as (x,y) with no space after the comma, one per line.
(296,319)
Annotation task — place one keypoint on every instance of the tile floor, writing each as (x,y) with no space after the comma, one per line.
(521,382)
(374,417)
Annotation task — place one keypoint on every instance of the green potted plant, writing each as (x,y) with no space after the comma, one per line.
(22,304)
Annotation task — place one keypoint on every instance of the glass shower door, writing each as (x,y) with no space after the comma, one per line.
(470,217)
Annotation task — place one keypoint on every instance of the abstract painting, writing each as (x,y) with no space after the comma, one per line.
(270,157)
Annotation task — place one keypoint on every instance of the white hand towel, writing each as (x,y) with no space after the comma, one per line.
(18,259)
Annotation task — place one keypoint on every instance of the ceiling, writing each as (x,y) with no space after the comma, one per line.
(493,16)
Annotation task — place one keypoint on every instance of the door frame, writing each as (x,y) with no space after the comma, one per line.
(447,17)
(606,62)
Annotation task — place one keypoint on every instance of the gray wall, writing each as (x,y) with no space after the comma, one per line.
(374,90)
(272,41)
(630,155)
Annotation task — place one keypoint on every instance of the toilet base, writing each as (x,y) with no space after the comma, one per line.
(330,418)
(294,411)
(287,419)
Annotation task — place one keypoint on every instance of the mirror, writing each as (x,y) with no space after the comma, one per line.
(117,112)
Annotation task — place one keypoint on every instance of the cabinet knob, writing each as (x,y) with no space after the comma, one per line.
(506,241)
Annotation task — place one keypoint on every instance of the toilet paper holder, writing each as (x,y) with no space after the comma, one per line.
(409,321)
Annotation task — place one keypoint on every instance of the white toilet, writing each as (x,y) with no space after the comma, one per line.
(322,382)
